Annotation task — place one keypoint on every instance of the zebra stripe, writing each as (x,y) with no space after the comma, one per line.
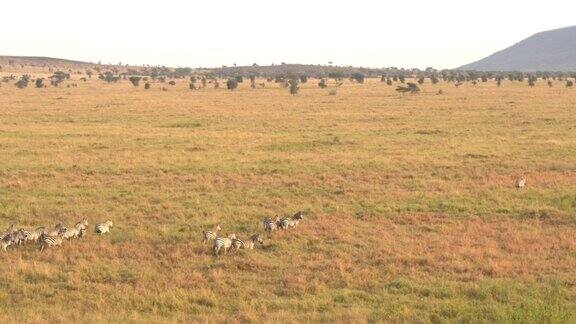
(238,244)
(103,227)
(223,243)
(269,225)
(49,241)
(211,235)
(285,223)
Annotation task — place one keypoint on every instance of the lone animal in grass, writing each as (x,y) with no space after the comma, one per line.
(211,235)
(103,228)
(52,240)
(520,183)
(223,243)
(409,87)
(249,244)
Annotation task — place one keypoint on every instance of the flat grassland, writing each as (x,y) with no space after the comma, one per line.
(410,209)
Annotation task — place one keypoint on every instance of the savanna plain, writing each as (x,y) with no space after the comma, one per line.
(411,214)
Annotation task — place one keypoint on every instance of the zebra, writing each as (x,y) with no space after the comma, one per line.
(82,227)
(238,244)
(20,236)
(223,243)
(58,228)
(269,225)
(52,240)
(297,218)
(103,227)
(211,235)
(77,231)
(6,241)
(10,230)
(34,235)
(285,223)
(520,183)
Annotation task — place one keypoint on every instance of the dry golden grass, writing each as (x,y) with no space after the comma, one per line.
(411,213)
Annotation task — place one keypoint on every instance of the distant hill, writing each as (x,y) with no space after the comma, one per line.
(265,71)
(553,50)
(42,62)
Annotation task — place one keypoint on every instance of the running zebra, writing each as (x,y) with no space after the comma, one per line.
(20,236)
(269,225)
(223,243)
(211,235)
(5,242)
(34,235)
(52,240)
(82,227)
(103,227)
(56,230)
(238,244)
(285,223)
(297,218)
(77,231)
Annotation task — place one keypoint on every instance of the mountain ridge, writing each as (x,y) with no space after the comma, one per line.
(552,50)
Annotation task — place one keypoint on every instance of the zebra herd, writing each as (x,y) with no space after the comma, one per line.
(48,237)
(233,243)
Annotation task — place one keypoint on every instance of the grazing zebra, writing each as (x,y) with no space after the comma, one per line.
(211,235)
(520,183)
(223,243)
(6,241)
(285,223)
(269,225)
(238,244)
(52,240)
(103,227)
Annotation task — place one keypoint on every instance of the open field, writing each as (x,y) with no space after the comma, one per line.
(411,213)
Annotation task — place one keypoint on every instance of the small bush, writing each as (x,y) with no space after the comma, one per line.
(322,84)
(293,86)
(40,83)
(232,84)
(135,80)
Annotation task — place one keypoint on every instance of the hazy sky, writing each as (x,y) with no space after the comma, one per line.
(412,33)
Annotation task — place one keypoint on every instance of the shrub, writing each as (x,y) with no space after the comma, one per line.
(358,77)
(135,80)
(303,78)
(23,82)
(322,84)
(569,83)
(232,84)
(239,79)
(146,86)
(40,83)
(293,86)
